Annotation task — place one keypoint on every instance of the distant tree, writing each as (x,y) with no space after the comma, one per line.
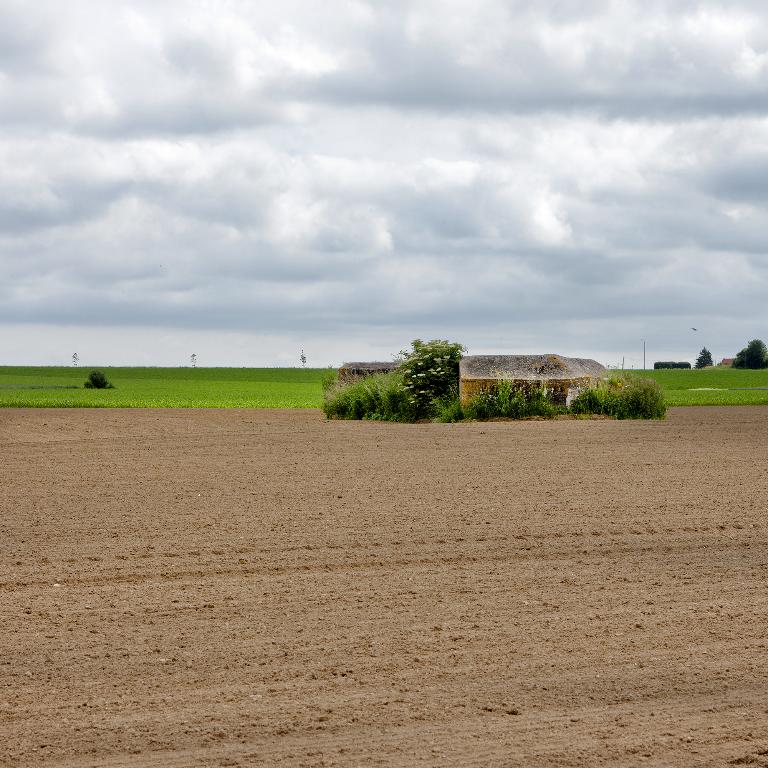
(303,359)
(704,359)
(193,359)
(75,359)
(754,355)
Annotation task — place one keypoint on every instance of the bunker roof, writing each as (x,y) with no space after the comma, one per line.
(528,367)
(370,366)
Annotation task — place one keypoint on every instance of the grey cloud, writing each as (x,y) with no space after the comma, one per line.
(170,72)
(391,172)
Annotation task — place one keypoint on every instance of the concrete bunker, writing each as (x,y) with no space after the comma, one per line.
(564,377)
(353,371)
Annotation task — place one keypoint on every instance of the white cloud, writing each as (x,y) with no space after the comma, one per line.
(542,175)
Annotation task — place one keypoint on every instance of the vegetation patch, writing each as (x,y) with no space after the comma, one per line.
(382,397)
(506,400)
(425,386)
(425,379)
(623,397)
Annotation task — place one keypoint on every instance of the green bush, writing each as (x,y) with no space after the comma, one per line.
(382,397)
(754,355)
(97,380)
(624,397)
(430,373)
(508,401)
(425,385)
(598,400)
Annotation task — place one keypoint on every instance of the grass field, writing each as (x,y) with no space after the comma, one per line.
(41,387)
(713,386)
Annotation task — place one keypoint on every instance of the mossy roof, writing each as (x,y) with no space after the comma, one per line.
(529,367)
(370,366)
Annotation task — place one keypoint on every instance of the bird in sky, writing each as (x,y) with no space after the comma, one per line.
(694,329)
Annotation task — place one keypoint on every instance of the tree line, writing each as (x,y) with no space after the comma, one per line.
(754,355)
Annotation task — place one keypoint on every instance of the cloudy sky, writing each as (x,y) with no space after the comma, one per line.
(246,179)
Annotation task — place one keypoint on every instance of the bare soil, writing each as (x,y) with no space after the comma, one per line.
(238,588)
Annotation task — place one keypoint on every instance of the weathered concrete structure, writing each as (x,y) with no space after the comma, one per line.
(352,371)
(564,377)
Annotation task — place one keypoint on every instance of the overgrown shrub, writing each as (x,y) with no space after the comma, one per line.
(97,380)
(430,373)
(382,396)
(623,397)
(666,365)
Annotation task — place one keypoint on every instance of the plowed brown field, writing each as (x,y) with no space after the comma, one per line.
(237,588)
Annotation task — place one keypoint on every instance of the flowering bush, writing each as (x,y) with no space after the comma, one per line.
(430,373)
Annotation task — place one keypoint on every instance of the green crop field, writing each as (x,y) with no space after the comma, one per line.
(45,387)
(39,387)
(713,386)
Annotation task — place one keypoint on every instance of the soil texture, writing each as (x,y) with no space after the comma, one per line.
(267,588)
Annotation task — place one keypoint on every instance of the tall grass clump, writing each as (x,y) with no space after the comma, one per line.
(448,409)
(329,379)
(506,400)
(623,397)
(382,397)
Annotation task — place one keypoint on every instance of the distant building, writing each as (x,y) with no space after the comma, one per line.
(727,362)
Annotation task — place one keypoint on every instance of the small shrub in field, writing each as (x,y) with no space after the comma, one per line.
(430,373)
(382,397)
(624,397)
(97,380)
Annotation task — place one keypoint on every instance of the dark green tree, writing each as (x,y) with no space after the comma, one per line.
(754,355)
(704,359)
